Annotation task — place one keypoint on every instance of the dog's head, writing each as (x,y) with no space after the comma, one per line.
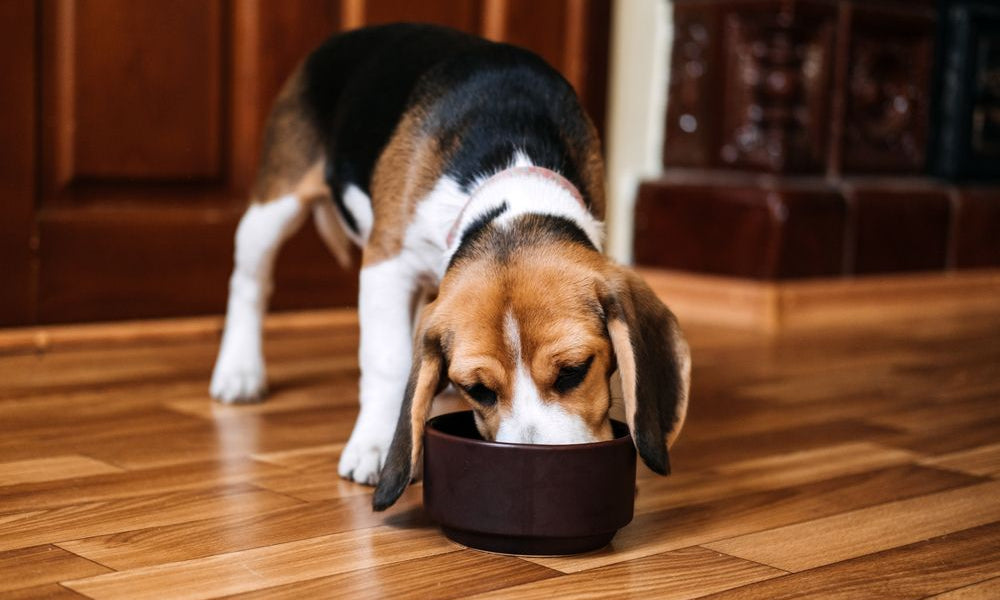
(530,334)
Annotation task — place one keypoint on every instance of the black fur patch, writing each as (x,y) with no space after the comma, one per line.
(563,229)
(476,229)
(359,84)
(483,240)
(656,390)
(338,200)
(397,470)
(499,100)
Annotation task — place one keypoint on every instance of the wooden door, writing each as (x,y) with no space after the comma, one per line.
(137,139)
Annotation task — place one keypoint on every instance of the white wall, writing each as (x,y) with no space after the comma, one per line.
(639,63)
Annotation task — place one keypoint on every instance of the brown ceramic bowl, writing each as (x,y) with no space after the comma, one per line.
(526,498)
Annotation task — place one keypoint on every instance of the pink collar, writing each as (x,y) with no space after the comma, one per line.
(531,171)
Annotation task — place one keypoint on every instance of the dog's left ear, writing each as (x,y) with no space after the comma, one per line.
(654,363)
(402,463)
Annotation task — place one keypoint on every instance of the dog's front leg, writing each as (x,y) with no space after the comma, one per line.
(385,304)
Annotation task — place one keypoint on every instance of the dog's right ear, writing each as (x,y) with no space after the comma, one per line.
(406,451)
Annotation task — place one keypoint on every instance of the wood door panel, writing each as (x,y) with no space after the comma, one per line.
(460,14)
(128,264)
(540,27)
(287,33)
(18,60)
(140,263)
(138,90)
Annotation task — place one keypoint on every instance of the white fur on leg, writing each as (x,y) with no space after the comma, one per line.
(360,206)
(384,311)
(239,374)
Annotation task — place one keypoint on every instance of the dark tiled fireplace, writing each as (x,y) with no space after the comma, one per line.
(968,142)
(819,138)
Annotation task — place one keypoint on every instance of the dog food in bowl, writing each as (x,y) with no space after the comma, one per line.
(526,498)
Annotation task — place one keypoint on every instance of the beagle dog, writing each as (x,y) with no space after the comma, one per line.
(473,181)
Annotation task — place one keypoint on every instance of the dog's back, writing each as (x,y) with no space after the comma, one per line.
(482,101)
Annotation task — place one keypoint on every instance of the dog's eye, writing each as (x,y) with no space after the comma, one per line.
(482,394)
(572,376)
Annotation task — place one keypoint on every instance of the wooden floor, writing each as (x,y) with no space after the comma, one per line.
(846,464)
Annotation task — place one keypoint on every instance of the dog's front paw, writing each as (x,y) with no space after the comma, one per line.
(365,452)
(239,376)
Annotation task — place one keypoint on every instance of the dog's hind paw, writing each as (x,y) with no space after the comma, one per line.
(236,381)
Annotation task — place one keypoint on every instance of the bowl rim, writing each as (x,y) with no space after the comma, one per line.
(430,430)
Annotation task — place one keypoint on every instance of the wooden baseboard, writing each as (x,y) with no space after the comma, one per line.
(780,306)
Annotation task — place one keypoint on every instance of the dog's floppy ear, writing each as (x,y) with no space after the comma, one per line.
(402,463)
(653,361)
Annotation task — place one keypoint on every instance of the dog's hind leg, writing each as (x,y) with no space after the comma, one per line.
(289,182)
(239,374)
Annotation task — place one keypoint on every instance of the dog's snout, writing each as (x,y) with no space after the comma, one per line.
(565,430)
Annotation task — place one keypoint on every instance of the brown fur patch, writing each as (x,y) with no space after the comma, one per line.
(312,186)
(405,173)
(292,161)
(291,151)
(425,387)
(592,164)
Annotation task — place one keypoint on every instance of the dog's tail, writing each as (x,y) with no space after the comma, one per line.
(332,231)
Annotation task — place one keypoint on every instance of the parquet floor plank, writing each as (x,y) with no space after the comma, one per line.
(232,532)
(259,568)
(947,439)
(52,469)
(105,435)
(678,575)
(907,572)
(460,574)
(982,460)
(42,565)
(938,413)
(745,415)
(127,484)
(984,590)
(767,473)
(854,533)
(312,486)
(226,438)
(703,454)
(20,530)
(52,591)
